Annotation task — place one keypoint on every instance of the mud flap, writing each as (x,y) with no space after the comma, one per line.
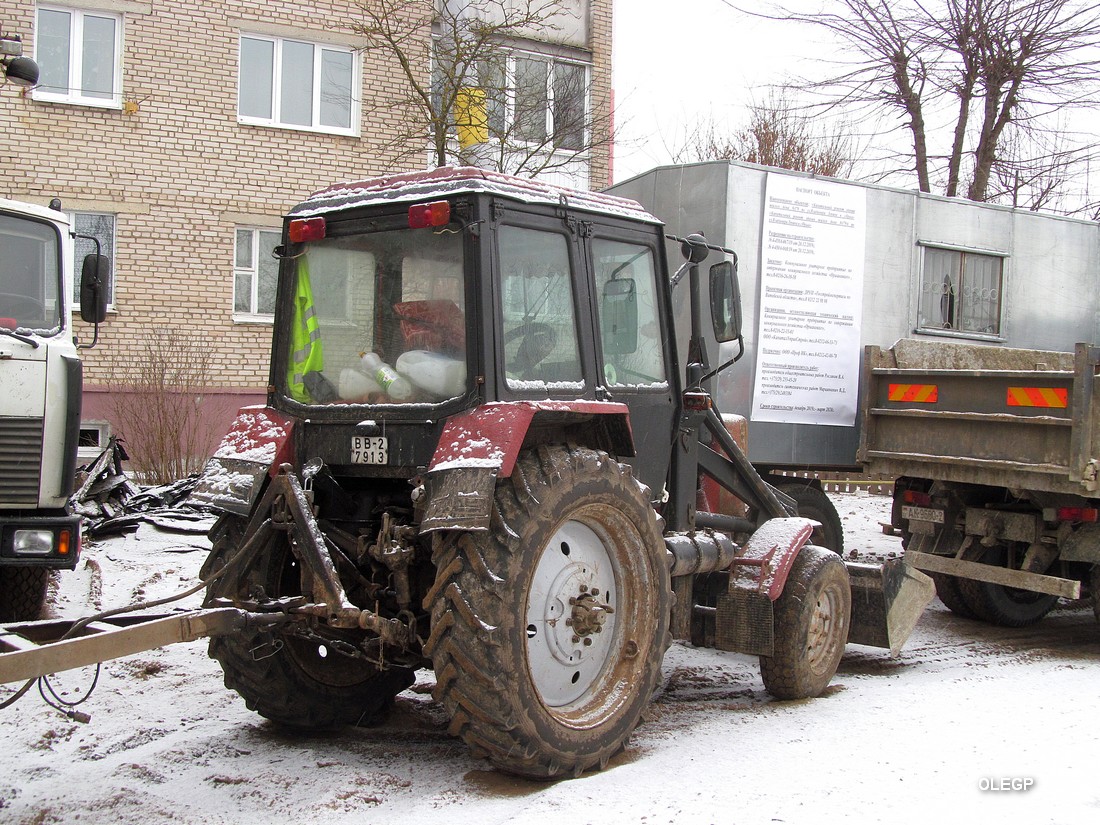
(887,601)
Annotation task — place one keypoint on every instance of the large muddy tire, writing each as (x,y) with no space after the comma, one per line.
(814,504)
(537,674)
(812,618)
(949,591)
(22,593)
(301,684)
(1000,605)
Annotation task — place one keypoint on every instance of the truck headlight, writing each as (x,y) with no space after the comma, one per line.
(33,542)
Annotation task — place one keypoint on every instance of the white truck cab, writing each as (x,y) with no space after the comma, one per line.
(40,398)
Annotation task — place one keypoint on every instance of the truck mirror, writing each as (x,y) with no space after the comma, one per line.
(619,316)
(725,302)
(93,288)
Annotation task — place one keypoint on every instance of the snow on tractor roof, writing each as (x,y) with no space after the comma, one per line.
(449,180)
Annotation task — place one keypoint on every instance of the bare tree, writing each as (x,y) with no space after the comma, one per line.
(779,135)
(474,89)
(990,73)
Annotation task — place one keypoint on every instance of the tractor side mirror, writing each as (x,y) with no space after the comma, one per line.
(725,302)
(93,288)
(619,316)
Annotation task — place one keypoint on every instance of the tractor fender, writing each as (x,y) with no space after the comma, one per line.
(492,435)
(762,567)
(257,443)
(481,446)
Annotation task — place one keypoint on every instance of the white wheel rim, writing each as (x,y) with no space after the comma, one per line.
(822,637)
(569,643)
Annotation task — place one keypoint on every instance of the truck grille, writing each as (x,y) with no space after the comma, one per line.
(20,461)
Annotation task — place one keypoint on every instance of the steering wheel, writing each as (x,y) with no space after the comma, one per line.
(22,307)
(538,342)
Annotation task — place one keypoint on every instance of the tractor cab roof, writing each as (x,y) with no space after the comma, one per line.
(447,181)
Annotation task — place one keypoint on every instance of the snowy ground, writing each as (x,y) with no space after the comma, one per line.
(920,738)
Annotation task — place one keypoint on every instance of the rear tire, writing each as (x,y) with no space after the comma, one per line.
(814,504)
(949,591)
(529,681)
(812,618)
(22,593)
(1000,605)
(301,684)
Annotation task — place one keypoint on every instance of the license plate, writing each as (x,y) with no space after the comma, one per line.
(922,514)
(369,449)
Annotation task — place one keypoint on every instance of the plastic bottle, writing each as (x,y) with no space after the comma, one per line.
(398,388)
(355,386)
(437,374)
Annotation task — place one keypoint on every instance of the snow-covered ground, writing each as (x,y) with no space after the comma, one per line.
(951,731)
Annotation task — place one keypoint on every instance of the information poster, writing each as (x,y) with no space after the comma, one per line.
(811,302)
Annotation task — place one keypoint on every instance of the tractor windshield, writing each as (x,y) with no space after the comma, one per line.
(30,275)
(378,318)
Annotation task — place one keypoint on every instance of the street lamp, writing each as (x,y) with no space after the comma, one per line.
(22,71)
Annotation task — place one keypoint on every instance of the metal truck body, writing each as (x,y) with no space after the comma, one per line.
(1047,298)
(482,454)
(996,452)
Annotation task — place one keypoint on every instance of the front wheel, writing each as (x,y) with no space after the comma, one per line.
(548,630)
(812,617)
(22,593)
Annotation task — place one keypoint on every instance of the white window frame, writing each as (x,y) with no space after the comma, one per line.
(74,94)
(276,73)
(79,254)
(253,315)
(928,301)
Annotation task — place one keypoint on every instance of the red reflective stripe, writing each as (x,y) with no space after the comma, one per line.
(1038,397)
(916,393)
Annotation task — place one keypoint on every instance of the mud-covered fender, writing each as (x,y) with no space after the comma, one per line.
(257,443)
(481,446)
(769,554)
(745,614)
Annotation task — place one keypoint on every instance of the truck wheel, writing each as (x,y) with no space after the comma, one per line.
(22,593)
(302,684)
(950,593)
(814,504)
(549,629)
(1000,605)
(1094,588)
(812,616)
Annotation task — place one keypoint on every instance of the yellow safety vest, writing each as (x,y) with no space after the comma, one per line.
(306,353)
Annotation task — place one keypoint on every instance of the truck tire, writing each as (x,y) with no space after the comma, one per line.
(811,622)
(22,593)
(300,684)
(814,504)
(1000,605)
(536,674)
(949,590)
(1094,588)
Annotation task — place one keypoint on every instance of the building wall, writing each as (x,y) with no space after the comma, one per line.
(181,173)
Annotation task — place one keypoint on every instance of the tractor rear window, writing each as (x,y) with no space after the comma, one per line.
(379,319)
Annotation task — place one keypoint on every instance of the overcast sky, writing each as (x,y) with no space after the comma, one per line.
(677,62)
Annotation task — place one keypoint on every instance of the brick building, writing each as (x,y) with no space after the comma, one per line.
(179,133)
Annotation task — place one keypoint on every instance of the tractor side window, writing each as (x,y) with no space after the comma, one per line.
(540,329)
(630,327)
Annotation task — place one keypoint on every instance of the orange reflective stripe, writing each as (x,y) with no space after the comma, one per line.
(918,393)
(1038,397)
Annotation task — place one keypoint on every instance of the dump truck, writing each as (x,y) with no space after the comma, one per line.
(40,399)
(996,454)
(482,454)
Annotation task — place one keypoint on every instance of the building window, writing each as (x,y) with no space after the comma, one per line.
(255,273)
(530,99)
(79,54)
(961,292)
(297,85)
(88,225)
